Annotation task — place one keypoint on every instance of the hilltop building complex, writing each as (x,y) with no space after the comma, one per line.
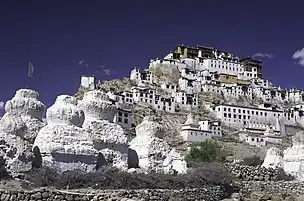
(177,82)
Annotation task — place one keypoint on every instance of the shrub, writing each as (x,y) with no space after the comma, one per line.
(207,151)
(252,161)
(282,176)
(111,178)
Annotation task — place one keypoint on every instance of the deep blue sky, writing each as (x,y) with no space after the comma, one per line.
(122,34)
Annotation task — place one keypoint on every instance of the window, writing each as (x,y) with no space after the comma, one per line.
(126,114)
(120,113)
(119,119)
(125,121)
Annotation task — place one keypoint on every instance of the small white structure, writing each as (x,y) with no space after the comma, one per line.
(141,75)
(213,126)
(260,137)
(88,82)
(192,132)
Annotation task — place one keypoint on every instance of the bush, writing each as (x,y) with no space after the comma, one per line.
(252,161)
(110,178)
(207,151)
(282,176)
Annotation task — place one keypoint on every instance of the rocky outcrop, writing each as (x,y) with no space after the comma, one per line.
(273,159)
(63,144)
(153,153)
(19,127)
(109,138)
(293,159)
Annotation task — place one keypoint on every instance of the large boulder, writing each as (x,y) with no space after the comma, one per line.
(18,128)
(63,144)
(109,138)
(154,154)
(273,159)
(293,160)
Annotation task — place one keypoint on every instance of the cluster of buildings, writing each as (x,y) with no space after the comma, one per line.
(206,70)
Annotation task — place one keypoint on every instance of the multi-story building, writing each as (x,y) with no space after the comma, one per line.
(240,116)
(139,75)
(250,64)
(186,101)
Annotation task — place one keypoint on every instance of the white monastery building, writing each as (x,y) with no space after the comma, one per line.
(210,72)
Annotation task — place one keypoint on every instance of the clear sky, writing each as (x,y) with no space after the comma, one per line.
(119,35)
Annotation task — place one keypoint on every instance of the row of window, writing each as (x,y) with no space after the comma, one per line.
(227,68)
(234,110)
(155,102)
(225,63)
(197,133)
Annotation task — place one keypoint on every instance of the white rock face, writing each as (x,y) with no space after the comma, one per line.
(19,127)
(109,138)
(274,158)
(26,104)
(64,145)
(153,153)
(97,105)
(175,162)
(65,111)
(293,159)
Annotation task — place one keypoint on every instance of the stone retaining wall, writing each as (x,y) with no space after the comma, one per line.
(286,188)
(246,188)
(209,194)
(258,173)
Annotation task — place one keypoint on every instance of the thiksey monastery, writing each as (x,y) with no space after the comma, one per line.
(208,71)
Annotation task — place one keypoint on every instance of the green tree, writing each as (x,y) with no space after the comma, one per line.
(207,151)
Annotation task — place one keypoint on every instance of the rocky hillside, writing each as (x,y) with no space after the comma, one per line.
(173,122)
